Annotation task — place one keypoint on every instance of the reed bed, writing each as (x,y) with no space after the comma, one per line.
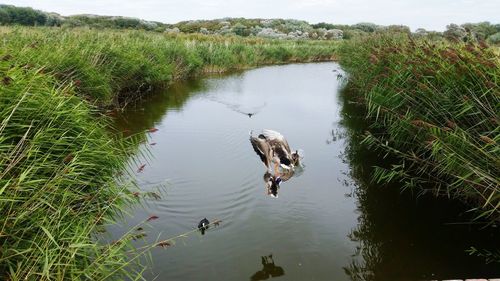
(57,181)
(59,160)
(108,65)
(434,109)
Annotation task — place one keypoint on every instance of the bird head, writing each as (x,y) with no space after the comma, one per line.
(273,191)
(273,186)
(295,157)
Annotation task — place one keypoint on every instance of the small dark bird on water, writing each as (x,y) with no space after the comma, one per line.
(203,225)
(239,108)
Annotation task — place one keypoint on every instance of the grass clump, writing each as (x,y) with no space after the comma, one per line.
(434,108)
(57,181)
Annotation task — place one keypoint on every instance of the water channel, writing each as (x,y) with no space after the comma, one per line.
(329,221)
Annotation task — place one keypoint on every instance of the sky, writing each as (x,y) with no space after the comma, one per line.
(428,14)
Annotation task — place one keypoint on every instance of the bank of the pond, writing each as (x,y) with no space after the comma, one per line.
(58,163)
(433,107)
(107,65)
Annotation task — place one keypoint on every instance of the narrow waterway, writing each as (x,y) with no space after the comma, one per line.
(328,222)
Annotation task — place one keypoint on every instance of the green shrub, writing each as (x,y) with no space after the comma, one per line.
(495,38)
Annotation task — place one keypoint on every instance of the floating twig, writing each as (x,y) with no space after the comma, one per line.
(152,218)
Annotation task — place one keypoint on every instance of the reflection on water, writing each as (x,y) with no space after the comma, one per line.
(273,183)
(329,223)
(269,269)
(401,236)
(147,112)
(241,108)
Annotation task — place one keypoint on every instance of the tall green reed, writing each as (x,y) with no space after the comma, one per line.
(105,66)
(58,160)
(57,181)
(434,107)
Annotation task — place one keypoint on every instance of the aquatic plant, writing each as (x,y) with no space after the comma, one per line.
(105,67)
(433,106)
(59,161)
(57,182)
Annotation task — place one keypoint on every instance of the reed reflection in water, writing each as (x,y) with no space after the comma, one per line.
(330,221)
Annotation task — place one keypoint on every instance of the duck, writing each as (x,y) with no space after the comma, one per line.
(263,149)
(203,225)
(271,146)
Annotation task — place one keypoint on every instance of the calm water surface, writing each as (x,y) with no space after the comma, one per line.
(327,224)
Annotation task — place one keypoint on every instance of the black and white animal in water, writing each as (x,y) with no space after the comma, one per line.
(272,147)
(203,225)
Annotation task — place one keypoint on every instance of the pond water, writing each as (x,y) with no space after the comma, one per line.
(328,222)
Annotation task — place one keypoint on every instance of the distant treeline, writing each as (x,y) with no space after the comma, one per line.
(27,16)
(12,15)
(268,28)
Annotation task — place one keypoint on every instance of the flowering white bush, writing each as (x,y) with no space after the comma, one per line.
(495,38)
(172,30)
(334,34)
(271,33)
